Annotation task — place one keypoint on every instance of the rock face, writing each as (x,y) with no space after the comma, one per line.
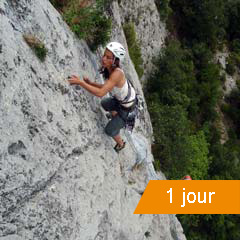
(229,85)
(59,175)
(150,31)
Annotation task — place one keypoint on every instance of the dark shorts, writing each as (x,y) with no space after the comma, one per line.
(117,122)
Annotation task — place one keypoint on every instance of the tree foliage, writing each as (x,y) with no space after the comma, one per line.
(134,47)
(177,147)
(182,95)
(200,21)
(163,8)
(233,19)
(174,79)
(87,20)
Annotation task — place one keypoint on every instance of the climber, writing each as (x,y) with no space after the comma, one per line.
(124,96)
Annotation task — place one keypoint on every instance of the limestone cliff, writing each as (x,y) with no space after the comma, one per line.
(59,175)
(224,123)
(151,31)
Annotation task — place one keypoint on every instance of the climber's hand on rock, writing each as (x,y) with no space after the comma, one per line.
(74,80)
(86,80)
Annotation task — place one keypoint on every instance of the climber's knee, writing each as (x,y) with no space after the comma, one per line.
(110,131)
(113,127)
(109,104)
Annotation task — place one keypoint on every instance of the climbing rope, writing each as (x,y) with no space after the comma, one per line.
(129,138)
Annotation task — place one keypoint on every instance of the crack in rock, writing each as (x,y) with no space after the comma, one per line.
(15,148)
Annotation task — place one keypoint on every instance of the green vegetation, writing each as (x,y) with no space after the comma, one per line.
(86,20)
(59,4)
(233,62)
(200,21)
(163,8)
(233,35)
(36,45)
(133,47)
(233,19)
(232,109)
(209,227)
(230,66)
(174,96)
(182,96)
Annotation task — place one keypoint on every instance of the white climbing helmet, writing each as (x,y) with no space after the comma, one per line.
(117,49)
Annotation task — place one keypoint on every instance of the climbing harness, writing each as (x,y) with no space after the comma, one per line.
(134,110)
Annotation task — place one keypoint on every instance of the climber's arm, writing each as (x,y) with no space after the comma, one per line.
(98,85)
(99,92)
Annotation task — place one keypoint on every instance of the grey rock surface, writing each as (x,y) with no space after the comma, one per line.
(59,175)
(150,30)
(230,83)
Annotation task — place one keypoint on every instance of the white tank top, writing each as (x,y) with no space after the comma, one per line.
(121,93)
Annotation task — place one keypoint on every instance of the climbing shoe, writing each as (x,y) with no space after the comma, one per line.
(118,148)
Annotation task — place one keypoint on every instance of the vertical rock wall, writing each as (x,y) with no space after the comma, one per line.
(150,30)
(59,175)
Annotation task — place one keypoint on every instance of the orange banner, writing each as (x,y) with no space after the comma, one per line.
(190,197)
